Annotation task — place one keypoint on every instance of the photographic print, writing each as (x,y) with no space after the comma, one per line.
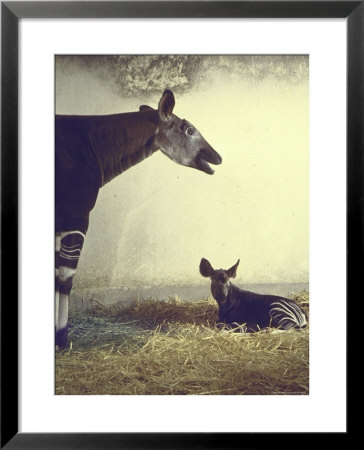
(181,224)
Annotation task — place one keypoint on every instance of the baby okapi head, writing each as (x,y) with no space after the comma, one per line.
(220,279)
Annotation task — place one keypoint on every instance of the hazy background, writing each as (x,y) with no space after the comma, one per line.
(152,225)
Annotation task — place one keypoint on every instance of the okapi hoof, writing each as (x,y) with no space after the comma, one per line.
(62,338)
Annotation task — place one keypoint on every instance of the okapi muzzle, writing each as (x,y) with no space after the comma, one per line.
(248,311)
(92,150)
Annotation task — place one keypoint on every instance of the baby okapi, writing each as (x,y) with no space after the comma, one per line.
(256,311)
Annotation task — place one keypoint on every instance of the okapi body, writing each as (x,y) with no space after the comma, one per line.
(248,310)
(92,150)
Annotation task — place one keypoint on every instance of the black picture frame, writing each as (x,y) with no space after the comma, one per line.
(11,12)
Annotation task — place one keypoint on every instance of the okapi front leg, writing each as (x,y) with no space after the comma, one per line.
(68,250)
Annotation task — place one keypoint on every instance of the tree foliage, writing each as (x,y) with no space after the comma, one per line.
(150,74)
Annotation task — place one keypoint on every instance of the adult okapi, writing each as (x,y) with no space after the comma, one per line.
(248,310)
(90,152)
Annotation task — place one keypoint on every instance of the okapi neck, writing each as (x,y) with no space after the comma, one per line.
(123,140)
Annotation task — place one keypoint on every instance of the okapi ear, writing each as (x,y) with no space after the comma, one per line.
(232,271)
(206,269)
(166,105)
(145,108)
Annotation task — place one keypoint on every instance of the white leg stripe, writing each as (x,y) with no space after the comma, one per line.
(287,314)
(62,318)
(73,257)
(56,307)
(62,234)
(65,272)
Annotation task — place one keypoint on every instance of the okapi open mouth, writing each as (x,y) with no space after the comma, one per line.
(206,156)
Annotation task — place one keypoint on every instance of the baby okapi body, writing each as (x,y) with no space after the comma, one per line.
(256,311)
(90,152)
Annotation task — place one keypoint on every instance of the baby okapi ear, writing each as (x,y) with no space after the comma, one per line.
(145,108)
(206,269)
(166,105)
(232,271)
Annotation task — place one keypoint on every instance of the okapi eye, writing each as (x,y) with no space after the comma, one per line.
(189,131)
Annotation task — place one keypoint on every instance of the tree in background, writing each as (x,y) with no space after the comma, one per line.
(150,74)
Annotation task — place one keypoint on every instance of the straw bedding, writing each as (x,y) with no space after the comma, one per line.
(174,347)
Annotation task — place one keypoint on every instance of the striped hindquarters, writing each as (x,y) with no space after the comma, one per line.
(287,314)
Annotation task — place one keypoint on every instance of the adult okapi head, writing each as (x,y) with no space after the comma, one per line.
(180,140)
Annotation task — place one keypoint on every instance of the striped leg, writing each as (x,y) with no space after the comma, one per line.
(286,314)
(68,249)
